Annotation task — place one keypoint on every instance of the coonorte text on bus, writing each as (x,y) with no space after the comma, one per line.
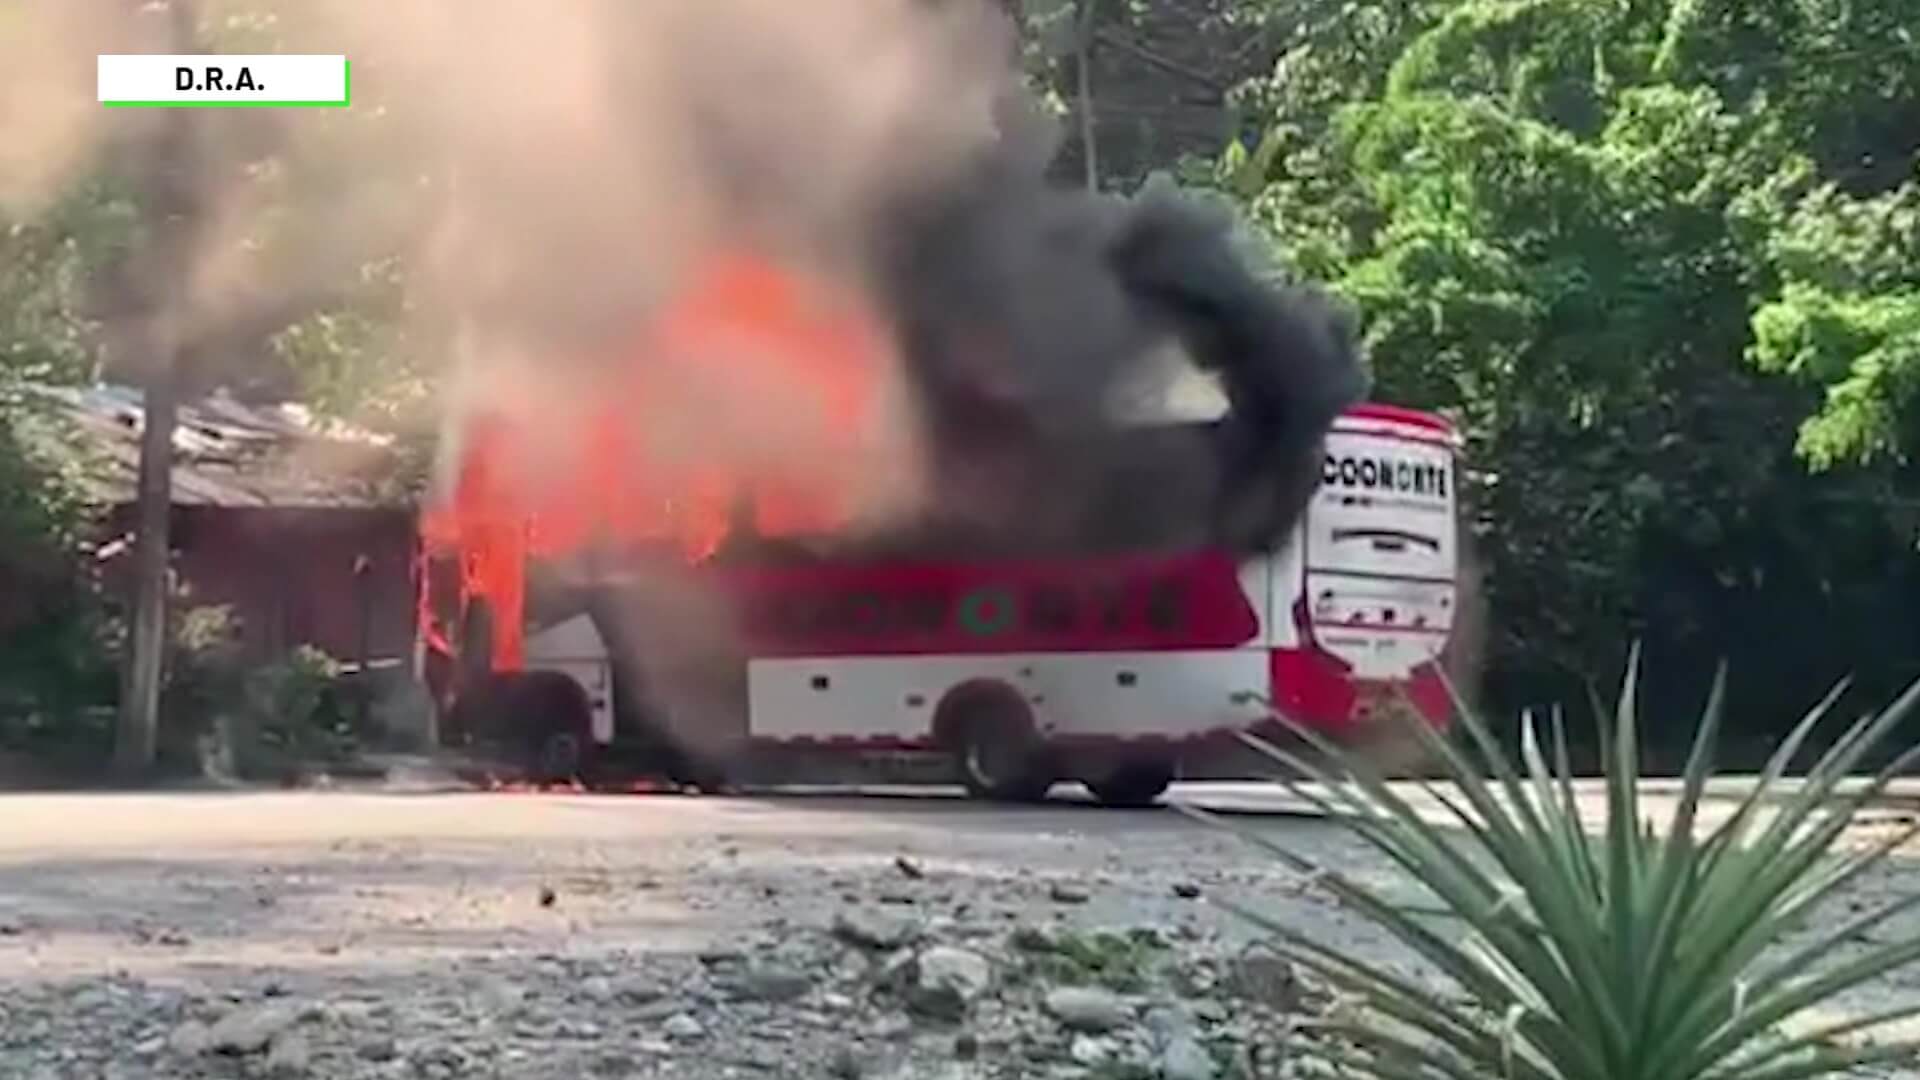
(1385,473)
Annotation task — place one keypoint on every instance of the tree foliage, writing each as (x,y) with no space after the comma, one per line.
(1593,231)
(55,636)
(278,273)
(1846,317)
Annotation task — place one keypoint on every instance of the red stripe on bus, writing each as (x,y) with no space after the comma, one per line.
(1397,415)
(1123,604)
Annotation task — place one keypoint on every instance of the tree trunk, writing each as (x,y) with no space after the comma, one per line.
(155,284)
(140,706)
(1083,72)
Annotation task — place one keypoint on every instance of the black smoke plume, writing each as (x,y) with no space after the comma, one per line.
(1026,312)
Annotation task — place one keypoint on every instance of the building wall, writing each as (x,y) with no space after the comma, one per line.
(337,579)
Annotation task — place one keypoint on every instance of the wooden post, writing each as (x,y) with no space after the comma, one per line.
(155,283)
(140,707)
(1083,72)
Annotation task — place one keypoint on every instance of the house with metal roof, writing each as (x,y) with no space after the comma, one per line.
(299,526)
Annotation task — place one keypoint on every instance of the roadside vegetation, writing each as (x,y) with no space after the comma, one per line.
(1557,947)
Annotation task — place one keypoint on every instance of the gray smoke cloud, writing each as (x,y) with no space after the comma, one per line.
(549,174)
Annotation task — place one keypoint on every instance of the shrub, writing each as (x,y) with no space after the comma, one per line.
(295,707)
(1609,953)
(58,679)
(1118,961)
(205,673)
(264,718)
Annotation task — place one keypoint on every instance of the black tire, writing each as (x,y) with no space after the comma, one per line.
(560,757)
(988,727)
(697,773)
(555,721)
(482,715)
(1135,785)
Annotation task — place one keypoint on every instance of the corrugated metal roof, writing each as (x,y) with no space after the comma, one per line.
(227,453)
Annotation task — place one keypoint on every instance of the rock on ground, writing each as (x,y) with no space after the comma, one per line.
(1184,1058)
(873,929)
(1087,1009)
(289,1056)
(249,1030)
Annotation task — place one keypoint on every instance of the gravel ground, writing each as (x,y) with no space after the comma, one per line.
(544,936)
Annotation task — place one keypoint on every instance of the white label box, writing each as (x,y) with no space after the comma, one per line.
(276,80)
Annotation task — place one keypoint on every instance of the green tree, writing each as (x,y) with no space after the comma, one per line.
(55,634)
(1571,224)
(1845,317)
(204,249)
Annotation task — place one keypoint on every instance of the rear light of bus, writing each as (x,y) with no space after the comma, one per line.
(1427,688)
(1310,685)
(1314,687)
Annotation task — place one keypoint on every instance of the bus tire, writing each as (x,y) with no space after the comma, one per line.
(481,715)
(555,720)
(988,728)
(698,774)
(1134,785)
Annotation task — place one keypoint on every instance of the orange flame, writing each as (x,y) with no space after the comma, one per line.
(675,439)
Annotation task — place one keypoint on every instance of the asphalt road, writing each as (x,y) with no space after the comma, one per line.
(389,909)
(280,875)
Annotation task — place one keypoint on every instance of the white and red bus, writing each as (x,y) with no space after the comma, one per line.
(1124,672)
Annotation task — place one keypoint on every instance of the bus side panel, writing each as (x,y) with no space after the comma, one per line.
(891,701)
(1283,589)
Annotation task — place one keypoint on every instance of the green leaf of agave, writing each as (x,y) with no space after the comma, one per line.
(1824,946)
(1756,903)
(1819,1040)
(1380,1048)
(1575,1018)
(1386,992)
(1676,879)
(1833,1061)
(1621,957)
(1554,887)
(1585,868)
(1570,1025)
(1623,825)
(1788,1000)
(1694,989)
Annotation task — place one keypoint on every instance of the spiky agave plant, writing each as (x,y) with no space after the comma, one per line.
(1615,952)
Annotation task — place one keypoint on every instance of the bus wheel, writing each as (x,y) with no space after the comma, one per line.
(560,757)
(989,729)
(557,722)
(1134,785)
(698,773)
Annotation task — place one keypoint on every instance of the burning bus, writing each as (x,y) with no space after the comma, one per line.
(1007,598)
(1121,670)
